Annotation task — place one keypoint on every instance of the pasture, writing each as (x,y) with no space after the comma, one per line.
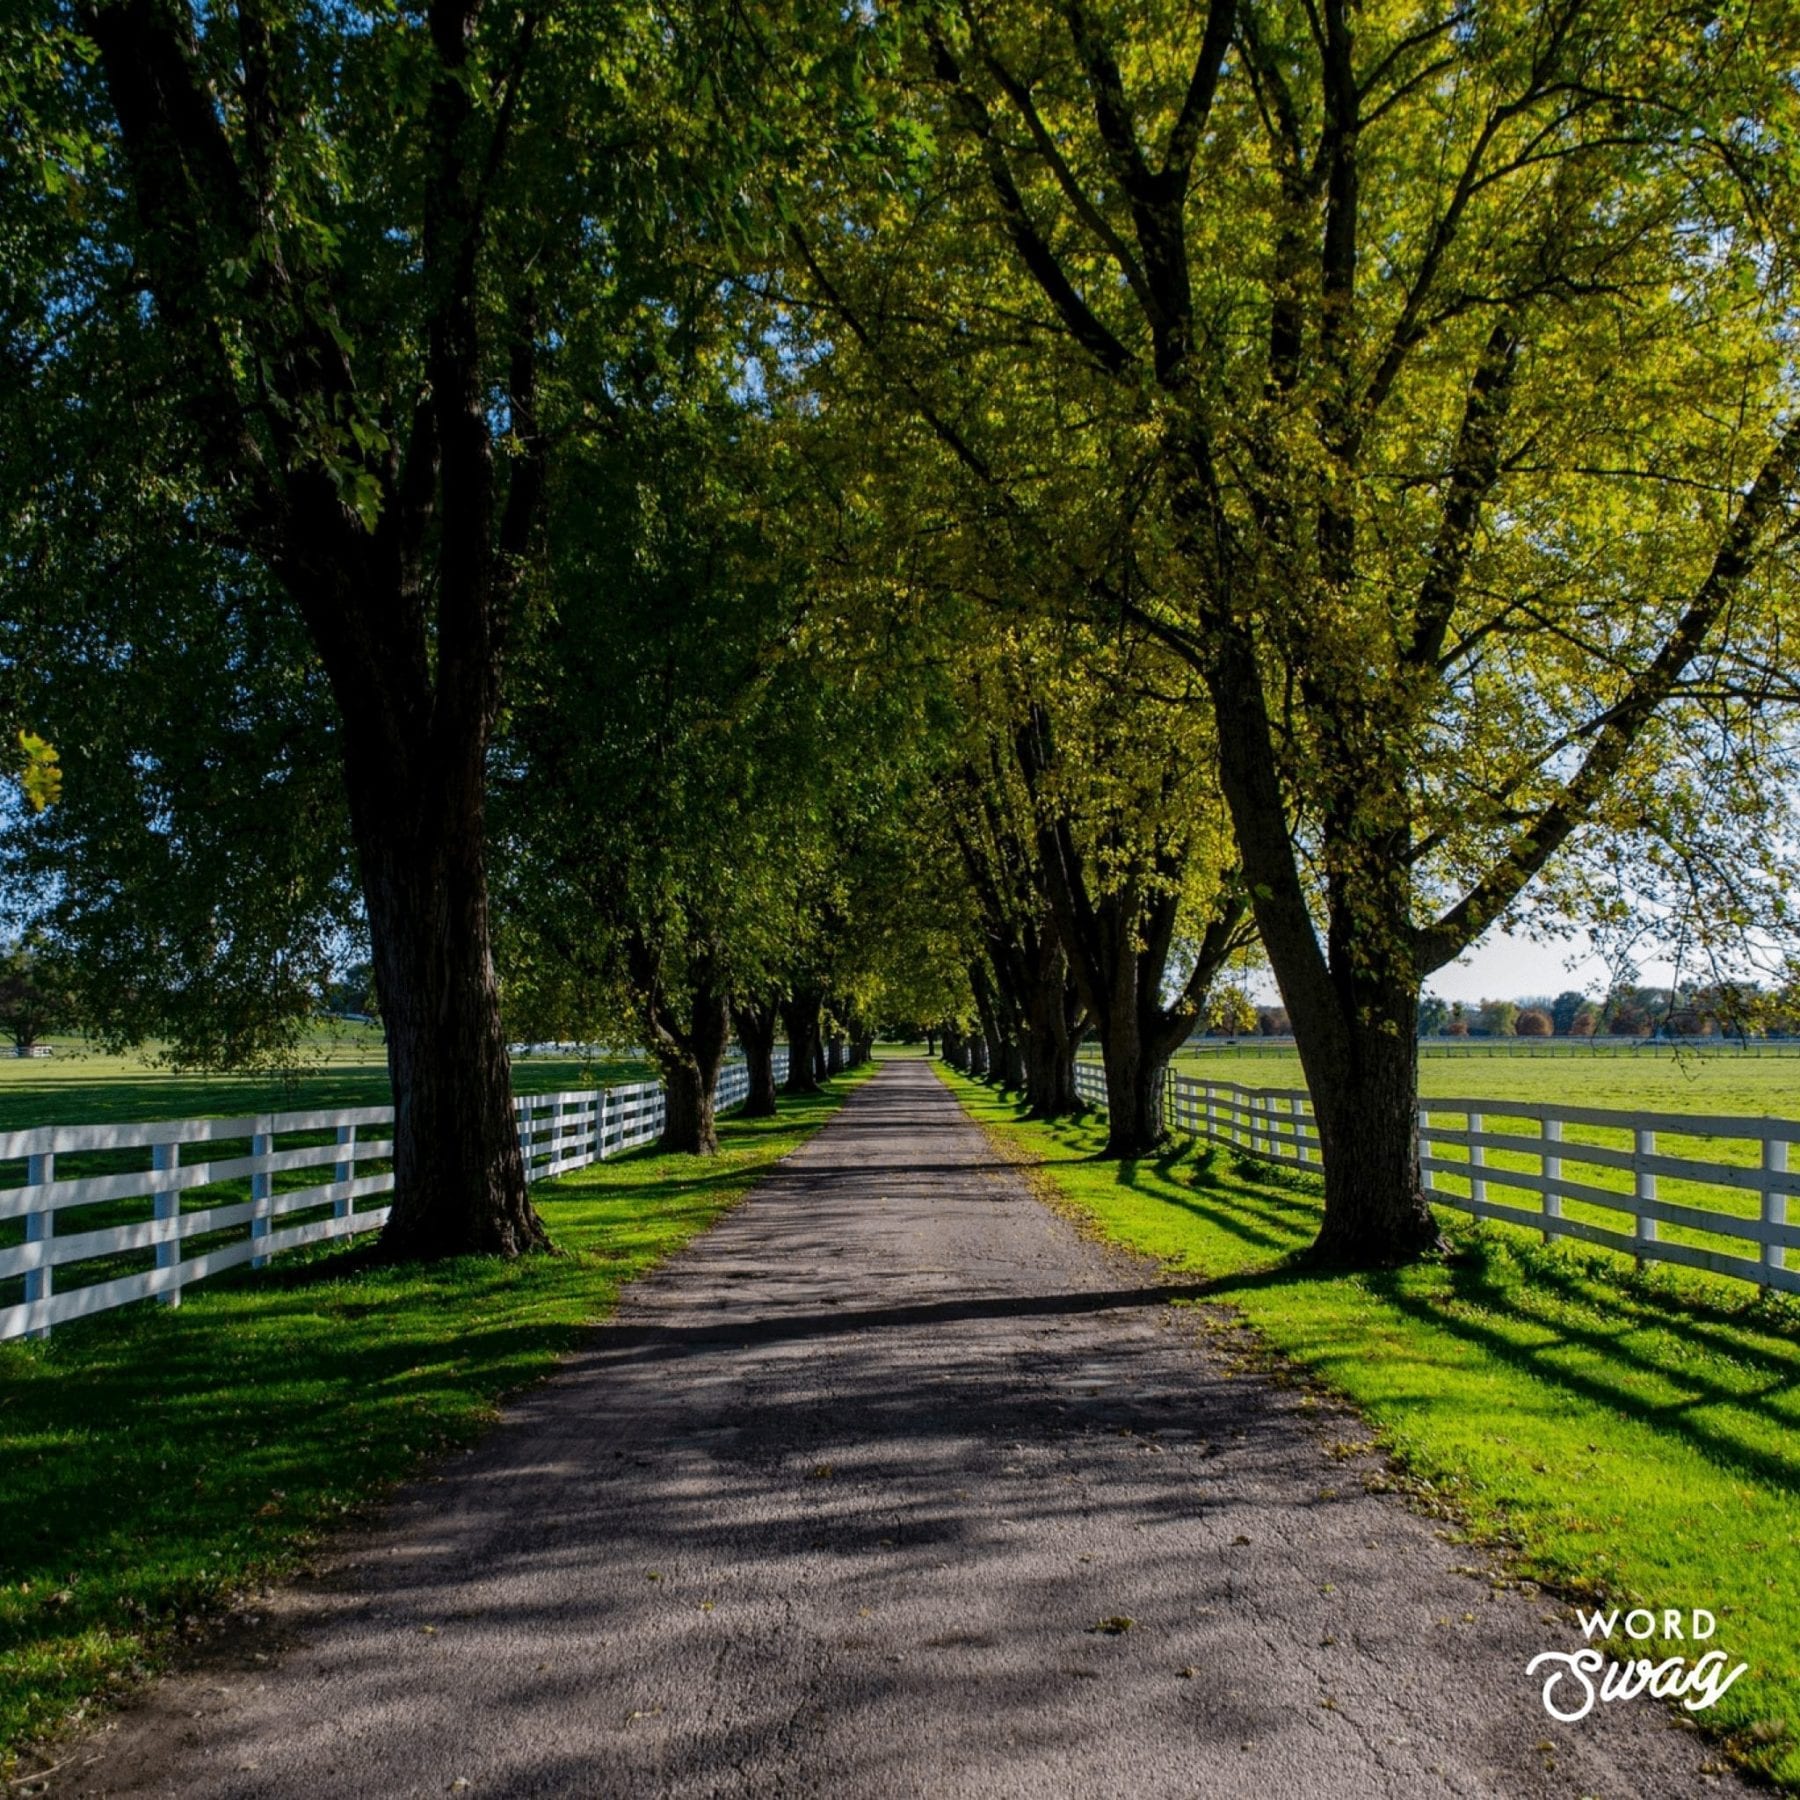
(1648,1080)
(344,1067)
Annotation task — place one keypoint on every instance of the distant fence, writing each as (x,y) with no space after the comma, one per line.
(102,1230)
(1706,1191)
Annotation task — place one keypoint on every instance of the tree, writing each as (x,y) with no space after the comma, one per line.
(1496,1018)
(362,242)
(981,815)
(1564,1010)
(1433,1013)
(650,712)
(1532,1023)
(1231,1013)
(32,1003)
(1117,858)
(1410,320)
(1629,1014)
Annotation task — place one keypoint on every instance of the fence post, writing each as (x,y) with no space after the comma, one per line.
(556,1136)
(1477,1160)
(1646,1190)
(1552,1172)
(1774,1203)
(345,1171)
(262,1192)
(165,1203)
(39,1228)
(600,1124)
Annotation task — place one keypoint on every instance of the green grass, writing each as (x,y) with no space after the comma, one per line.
(80,1087)
(1638,1080)
(153,1462)
(1632,1084)
(1636,1439)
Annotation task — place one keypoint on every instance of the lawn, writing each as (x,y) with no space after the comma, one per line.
(1628,1438)
(153,1462)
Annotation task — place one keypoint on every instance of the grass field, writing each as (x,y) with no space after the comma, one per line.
(76,1087)
(1652,1081)
(1633,1084)
(154,1462)
(1628,1438)
(349,1068)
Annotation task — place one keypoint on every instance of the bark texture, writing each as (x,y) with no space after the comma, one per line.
(756,1025)
(800,1019)
(686,1038)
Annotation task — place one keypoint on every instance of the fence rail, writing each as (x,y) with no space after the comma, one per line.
(1703,1190)
(118,1213)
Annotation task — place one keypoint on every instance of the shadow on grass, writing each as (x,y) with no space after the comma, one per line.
(1719,1378)
(1610,1361)
(1580,1352)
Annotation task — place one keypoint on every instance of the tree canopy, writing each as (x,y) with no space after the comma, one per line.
(667,519)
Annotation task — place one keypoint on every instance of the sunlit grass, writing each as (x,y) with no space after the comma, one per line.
(1636,1438)
(1647,1080)
(83,1087)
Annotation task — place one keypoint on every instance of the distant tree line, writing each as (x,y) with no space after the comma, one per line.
(1630,1010)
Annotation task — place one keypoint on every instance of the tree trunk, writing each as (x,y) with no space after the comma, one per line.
(689,1125)
(1050,1076)
(409,614)
(1366,1103)
(978,1054)
(953,1046)
(931,1041)
(834,1053)
(800,1016)
(690,1070)
(821,1068)
(459,1178)
(1136,1121)
(1049,1048)
(756,1021)
(987,1010)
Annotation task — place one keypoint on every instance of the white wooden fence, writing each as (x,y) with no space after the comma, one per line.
(220,1192)
(1704,1190)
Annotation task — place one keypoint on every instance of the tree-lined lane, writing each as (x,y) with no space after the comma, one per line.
(894,1484)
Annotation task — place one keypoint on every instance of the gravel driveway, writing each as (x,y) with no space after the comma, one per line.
(894,1484)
